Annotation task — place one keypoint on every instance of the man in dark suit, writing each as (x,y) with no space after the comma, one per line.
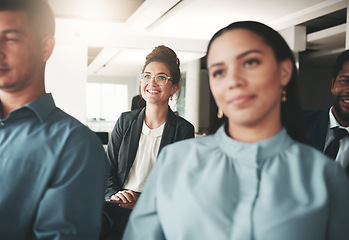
(327,130)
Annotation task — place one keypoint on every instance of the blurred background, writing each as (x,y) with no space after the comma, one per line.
(101,47)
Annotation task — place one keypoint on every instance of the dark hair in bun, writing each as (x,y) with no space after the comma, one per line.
(165,55)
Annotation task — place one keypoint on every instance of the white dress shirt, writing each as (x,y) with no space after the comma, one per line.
(343,152)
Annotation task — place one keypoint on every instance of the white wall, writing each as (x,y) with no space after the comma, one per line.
(66,71)
(192,93)
(66,74)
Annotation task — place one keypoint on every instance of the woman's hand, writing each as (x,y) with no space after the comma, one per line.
(125,198)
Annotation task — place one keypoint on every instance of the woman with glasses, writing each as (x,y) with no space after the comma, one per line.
(138,137)
(252,179)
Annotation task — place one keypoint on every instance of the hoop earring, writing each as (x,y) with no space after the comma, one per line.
(220,113)
(283,95)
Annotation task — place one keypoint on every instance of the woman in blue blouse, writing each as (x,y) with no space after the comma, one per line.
(252,179)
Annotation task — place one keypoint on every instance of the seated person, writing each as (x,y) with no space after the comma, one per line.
(138,137)
(327,130)
(53,169)
(252,179)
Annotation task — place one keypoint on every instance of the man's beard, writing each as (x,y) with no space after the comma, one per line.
(343,116)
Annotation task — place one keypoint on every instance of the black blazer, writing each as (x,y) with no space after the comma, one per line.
(316,125)
(316,122)
(123,145)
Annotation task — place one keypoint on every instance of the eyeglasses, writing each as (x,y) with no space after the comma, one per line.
(160,79)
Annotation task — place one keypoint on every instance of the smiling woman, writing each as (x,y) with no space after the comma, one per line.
(156,85)
(138,137)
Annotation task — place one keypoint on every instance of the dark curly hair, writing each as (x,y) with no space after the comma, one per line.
(338,65)
(165,55)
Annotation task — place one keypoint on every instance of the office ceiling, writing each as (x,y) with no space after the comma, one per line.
(100,10)
(120,33)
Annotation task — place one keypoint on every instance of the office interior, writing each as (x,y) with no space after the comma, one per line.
(101,47)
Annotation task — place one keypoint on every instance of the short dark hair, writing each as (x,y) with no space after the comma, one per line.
(40,14)
(291,117)
(338,65)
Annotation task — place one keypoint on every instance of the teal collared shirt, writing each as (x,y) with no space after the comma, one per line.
(217,188)
(53,173)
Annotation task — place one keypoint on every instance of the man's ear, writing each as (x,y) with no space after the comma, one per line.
(47,45)
(286,72)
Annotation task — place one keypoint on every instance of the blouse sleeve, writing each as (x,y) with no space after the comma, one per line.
(338,220)
(144,221)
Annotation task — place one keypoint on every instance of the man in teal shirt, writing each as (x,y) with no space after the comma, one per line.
(53,170)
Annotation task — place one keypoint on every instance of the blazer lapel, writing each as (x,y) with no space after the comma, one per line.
(169,129)
(135,134)
(320,130)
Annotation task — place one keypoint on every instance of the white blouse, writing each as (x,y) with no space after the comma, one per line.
(148,148)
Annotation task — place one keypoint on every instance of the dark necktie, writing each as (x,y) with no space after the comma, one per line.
(332,148)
